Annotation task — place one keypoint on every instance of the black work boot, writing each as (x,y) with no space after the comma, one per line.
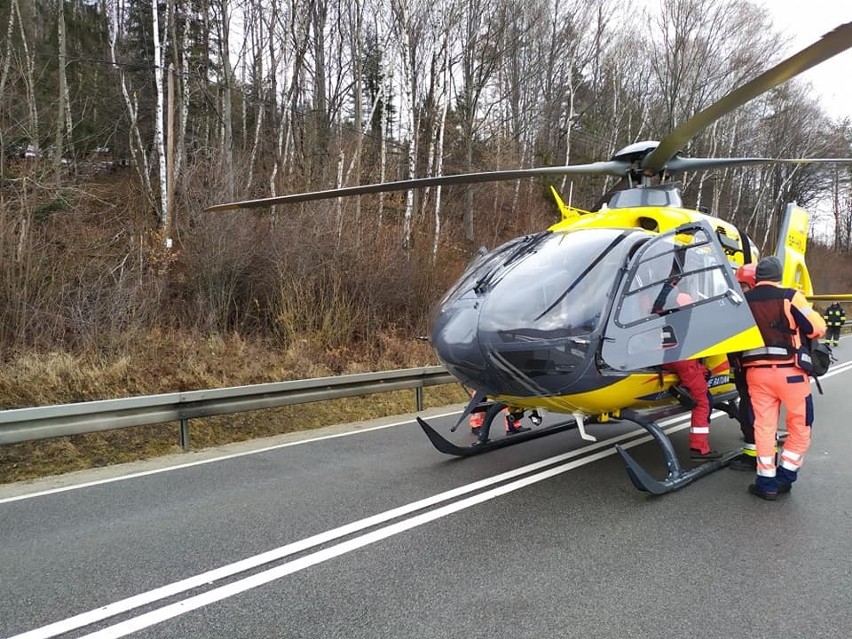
(710,455)
(763,494)
(744,462)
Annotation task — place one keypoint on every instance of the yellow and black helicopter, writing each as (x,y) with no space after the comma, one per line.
(575,319)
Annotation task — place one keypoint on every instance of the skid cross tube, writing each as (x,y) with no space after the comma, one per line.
(677,477)
(490,413)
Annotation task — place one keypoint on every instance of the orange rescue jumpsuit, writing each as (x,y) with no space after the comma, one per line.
(773,377)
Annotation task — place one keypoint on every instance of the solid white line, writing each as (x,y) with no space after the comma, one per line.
(155,471)
(837,369)
(206,578)
(223,592)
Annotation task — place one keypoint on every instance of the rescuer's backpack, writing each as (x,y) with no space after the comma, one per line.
(814,357)
(821,358)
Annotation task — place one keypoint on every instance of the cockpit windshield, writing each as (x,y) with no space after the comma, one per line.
(486,265)
(558,289)
(527,318)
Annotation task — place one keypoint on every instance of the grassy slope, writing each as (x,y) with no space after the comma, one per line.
(192,364)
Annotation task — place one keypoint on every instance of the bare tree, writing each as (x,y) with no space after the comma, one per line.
(443,96)
(64,125)
(137,147)
(222,9)
(29,82)
(159,131)
(482,27)
(409,22)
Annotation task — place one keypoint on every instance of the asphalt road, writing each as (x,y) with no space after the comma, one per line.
(367,531)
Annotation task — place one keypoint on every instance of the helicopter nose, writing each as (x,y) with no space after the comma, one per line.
(454,338)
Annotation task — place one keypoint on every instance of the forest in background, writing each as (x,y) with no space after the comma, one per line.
(120,120)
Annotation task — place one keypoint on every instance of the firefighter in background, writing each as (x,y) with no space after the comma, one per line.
(774,377)
(834,317)
(747,461)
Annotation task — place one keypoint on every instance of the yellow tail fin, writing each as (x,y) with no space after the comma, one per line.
(792,243)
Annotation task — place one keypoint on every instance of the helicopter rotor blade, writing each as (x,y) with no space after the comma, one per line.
(678,164)
(828,46)
(610,167)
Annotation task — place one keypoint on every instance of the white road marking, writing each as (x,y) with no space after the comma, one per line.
(155,471)
(206,578)
(217,594)
(223,592)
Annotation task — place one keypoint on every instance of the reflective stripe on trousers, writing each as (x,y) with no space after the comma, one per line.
(693,376)
(770,388)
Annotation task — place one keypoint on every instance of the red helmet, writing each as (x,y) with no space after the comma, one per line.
(746,274)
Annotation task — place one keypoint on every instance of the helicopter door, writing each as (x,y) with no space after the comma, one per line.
(678,301)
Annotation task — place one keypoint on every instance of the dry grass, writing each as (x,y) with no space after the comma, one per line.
(168,363)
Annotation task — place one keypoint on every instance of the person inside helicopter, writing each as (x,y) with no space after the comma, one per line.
(692,391)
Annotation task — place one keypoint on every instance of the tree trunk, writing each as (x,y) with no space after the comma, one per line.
(439,146)
(29,82)
(63,106)
(137,148)
(358,98)
(159,132)
(227,131)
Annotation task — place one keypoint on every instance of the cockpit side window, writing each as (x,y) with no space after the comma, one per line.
(669,276)
(677,300)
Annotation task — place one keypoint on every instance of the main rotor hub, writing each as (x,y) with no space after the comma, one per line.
(634,154)
(637,151)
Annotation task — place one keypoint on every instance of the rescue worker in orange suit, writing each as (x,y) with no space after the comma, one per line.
(774,378)
(834,318)
(693,378)
(748,459)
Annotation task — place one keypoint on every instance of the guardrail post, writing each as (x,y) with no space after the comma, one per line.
(184,435)
(418,398)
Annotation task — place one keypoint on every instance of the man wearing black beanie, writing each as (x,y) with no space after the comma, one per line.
(775,378)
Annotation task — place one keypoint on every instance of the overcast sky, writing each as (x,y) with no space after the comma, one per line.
(804,22)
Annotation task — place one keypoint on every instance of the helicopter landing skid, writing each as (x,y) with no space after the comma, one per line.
(483,444)
(677,477)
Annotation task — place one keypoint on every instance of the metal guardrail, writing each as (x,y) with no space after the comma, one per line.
(27,424)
